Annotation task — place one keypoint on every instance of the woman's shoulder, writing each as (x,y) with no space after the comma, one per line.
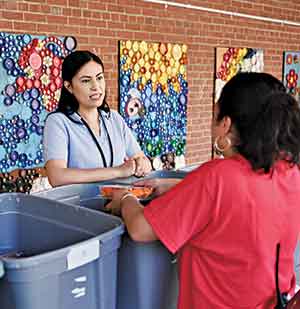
(208,166)
(115,118)
(58,119)
(225,166)
(61,117)
(56,116)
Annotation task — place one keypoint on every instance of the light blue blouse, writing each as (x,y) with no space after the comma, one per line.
(66,140)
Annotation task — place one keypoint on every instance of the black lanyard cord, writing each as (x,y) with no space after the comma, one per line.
(109,142)
(97,144)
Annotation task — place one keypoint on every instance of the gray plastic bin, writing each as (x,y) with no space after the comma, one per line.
(147,272)
(72,194)
(56,256)
(151,279)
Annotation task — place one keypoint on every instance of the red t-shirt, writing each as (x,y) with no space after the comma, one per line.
(225,220)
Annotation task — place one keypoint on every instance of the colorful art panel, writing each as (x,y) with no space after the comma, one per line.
(291,71)
(30,83)
(153,98)
(231,61)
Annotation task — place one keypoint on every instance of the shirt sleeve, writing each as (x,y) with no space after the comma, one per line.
(55,139)
(183,212)
(132,146)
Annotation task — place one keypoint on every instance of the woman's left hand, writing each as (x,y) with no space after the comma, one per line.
(143,166)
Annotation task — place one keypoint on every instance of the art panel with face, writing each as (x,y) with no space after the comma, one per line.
(88,86)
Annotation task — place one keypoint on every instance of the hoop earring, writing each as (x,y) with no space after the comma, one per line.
(220,151)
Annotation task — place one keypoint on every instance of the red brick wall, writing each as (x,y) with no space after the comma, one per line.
(100,24)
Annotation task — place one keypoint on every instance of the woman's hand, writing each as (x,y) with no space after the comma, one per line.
(143,166)
(128,168)
(115,205)
(125,204)
(160,185)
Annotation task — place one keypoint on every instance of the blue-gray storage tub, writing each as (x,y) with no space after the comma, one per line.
(56,256)
(147,272)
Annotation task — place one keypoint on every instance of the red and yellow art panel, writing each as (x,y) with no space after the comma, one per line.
(231,61)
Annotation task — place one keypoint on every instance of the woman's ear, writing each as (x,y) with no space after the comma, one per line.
(226,124)
(68,86)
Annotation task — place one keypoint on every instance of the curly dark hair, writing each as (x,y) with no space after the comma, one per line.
(265,119)
(68,104)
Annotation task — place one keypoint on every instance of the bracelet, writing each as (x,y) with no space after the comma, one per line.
(127,195)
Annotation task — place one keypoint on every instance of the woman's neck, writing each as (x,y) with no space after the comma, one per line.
(91,116)
(230,153)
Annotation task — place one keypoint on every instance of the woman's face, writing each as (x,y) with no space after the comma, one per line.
(88,85)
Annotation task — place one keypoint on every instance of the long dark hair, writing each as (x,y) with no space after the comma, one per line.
(67,103)
(265,118)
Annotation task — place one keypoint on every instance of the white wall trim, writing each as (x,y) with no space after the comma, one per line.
(201,8)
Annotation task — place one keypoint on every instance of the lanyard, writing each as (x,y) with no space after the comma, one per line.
(97,144)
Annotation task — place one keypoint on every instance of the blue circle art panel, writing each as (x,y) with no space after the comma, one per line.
(153,98)
(30,83)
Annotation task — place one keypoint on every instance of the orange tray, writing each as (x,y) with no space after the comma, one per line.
(139,192)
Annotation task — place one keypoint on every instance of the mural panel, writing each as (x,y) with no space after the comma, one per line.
(291,70)
(30,83)
(231,61)
(153,98)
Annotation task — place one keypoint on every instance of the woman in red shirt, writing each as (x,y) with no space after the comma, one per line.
(225,218)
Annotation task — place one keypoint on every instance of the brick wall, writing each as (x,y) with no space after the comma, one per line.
(101,24)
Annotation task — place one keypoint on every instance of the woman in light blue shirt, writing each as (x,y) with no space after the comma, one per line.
(85,141)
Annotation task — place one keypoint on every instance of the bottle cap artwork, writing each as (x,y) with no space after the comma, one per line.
(30,86)
(153,98)
(291,71)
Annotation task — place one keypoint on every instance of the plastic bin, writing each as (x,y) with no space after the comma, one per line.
(56,256)
(72,194)
(147,272)
(147,276)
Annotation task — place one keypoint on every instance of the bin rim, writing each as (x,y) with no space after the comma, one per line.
(174,173)
(62,253)
(43,258)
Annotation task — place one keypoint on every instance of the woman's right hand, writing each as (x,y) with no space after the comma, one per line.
(127,169)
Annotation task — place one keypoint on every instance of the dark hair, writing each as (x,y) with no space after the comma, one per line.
(67,103)
(265,119)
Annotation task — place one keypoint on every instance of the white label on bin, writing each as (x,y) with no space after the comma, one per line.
(81,279)
(78,292)
(83,254)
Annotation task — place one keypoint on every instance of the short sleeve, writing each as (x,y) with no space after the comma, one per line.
(131,144)
(183,212)
(55,138)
